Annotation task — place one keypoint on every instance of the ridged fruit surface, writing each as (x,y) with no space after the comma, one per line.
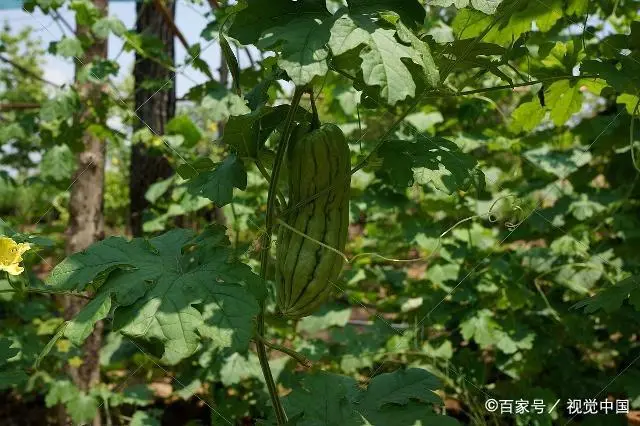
(304,269)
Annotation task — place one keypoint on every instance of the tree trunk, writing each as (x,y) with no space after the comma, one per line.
(86,220)
(154,108)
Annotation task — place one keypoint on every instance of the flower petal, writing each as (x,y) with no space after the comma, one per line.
(13,269)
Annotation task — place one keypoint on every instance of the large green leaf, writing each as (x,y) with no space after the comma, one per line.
(411,12)
(261,15)
(217,184)
(400,387)
(58,164)
(421,55)
(302,44)
(12,378)
(323,398)
(11,374)
(157,189)
(619,79)
(217,101)
(61,391)
(527,116)
(403,397)
(247,133)
(6,350)
(232,62)
(237,368)
(143,418)
(487,6)
(107,25)
(611,298)
(299,32)
(11,131)
(60,107)
(434,161)
(487,332)
(324,319)
(559,163)
(157,290)
(83,408)
(183,125)
(513,18)
(69,47)
(380,52)
(565,99)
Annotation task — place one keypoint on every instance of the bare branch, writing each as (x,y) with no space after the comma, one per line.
(251,61)
(19,106)
(58,17)
(28,72)
(167,17)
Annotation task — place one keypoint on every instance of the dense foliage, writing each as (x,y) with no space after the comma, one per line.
(493,224)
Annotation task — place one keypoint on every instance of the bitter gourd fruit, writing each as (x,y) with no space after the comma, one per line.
(318,163)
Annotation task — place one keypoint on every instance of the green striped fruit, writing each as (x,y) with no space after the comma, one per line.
(305,270)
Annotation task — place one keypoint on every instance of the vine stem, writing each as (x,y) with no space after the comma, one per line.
(631,132)
(513,86)
(301,359)
(264,255)
(38,291)
(265,174)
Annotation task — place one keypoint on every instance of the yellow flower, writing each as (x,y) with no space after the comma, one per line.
(76,361)
(11,255)
(156,141)
(63,345)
